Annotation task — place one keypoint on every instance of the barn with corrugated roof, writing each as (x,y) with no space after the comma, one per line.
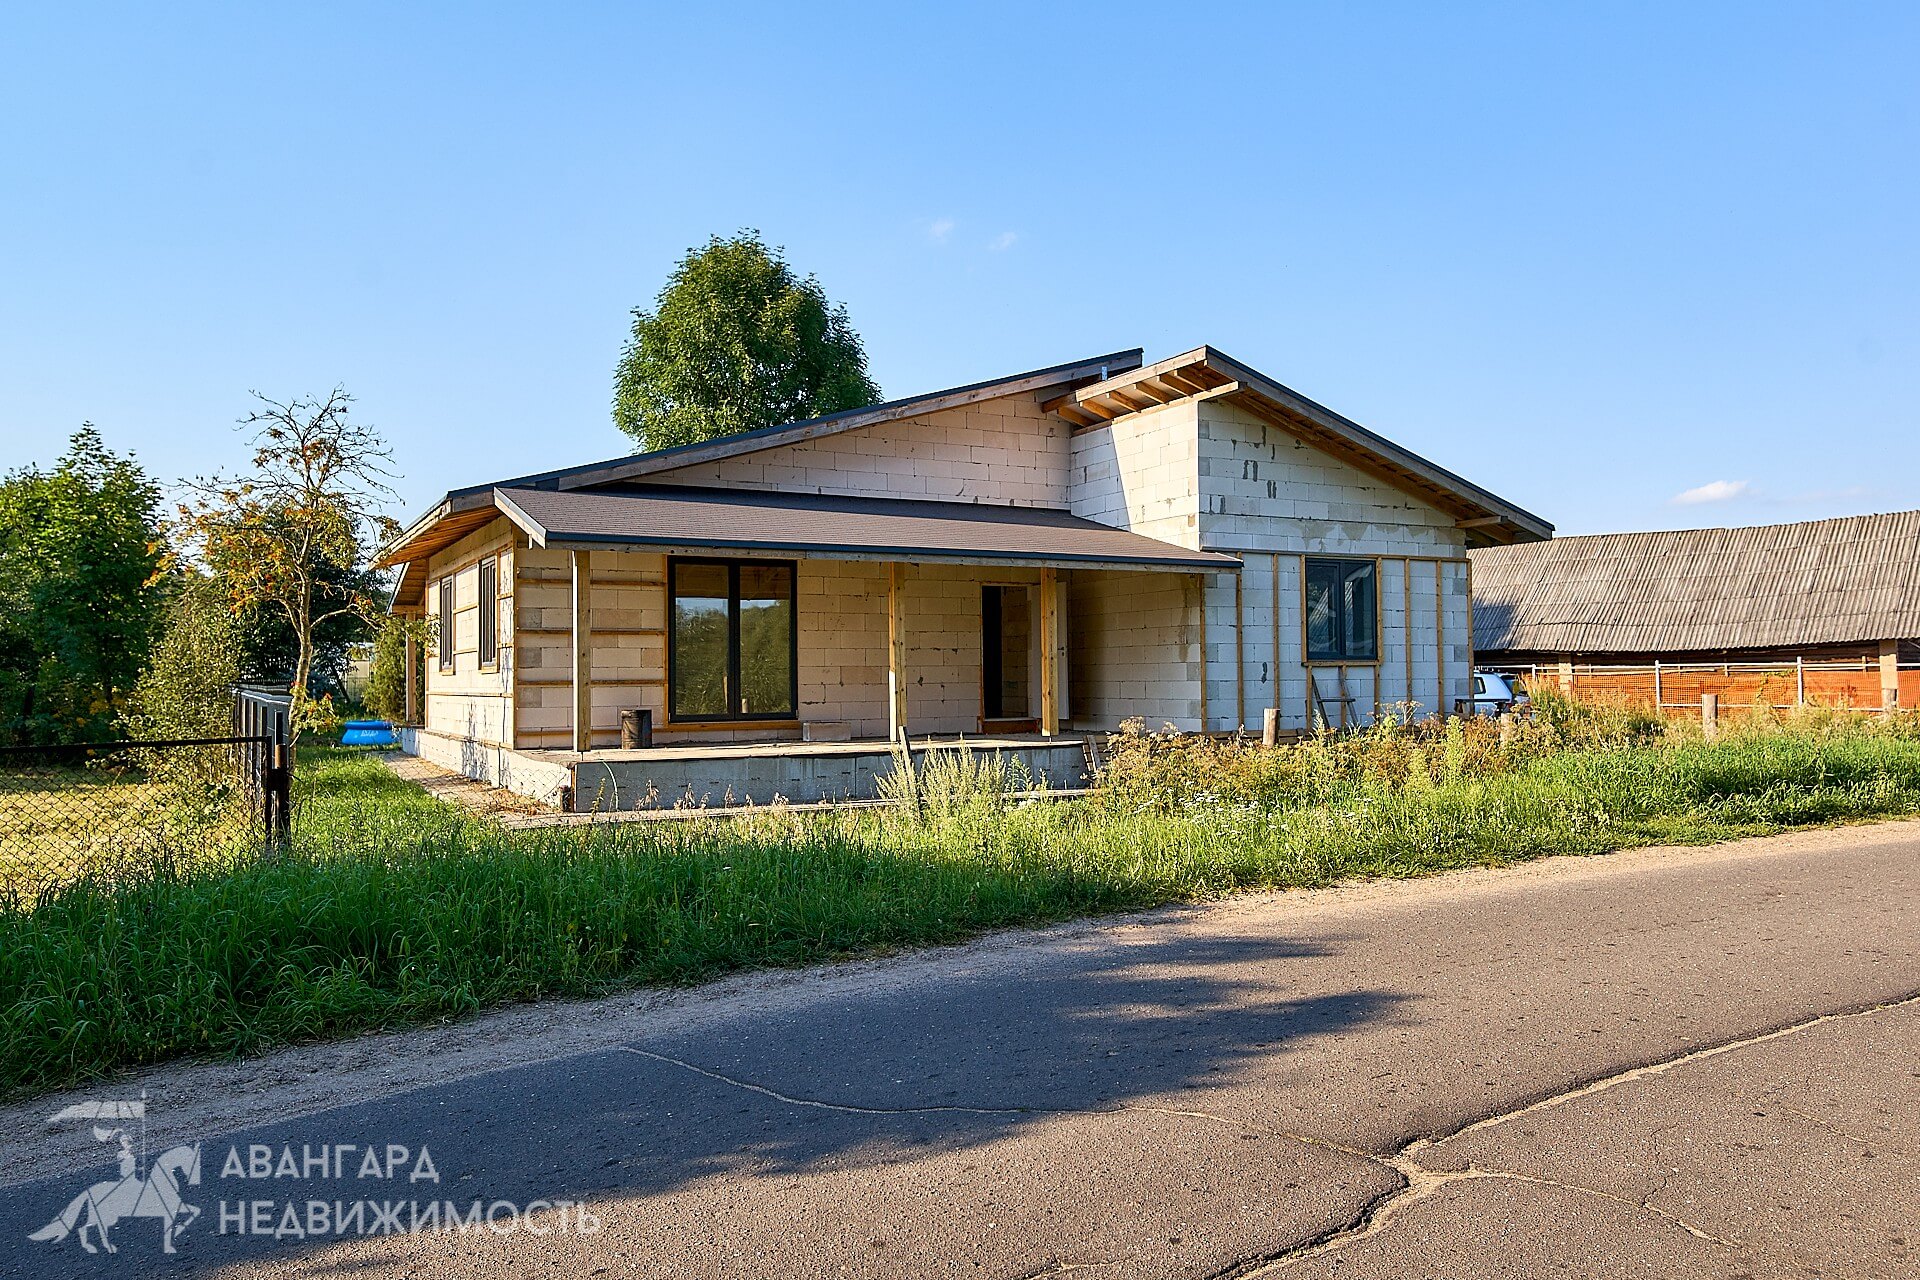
(1826,596)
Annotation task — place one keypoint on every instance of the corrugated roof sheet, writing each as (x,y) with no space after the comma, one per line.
(1696,590)
(902,528)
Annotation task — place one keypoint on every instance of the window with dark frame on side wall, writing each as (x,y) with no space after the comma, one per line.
(489,612)
(1343,610)
(445,638)
(732,640)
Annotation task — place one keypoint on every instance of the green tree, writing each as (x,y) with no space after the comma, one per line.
(187,690)
(736,341)
(387,680)
(79,549)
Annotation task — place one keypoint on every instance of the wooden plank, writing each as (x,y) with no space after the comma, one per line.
(1440,636)
(1240,648)
(1275,665)
(582,650)
(655,632)
(896,648)
(1406,621)
(600,682)
(1313,687)
(411,711)
(1472,691)
(1203,652)
(1049,652)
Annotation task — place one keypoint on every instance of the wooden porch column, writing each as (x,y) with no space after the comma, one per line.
(1049,652)
(1889,674)
(896,649)
(582,651)
(410,707)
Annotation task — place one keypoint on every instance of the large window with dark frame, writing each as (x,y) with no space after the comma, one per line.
(732,642)
(444,640)
(1343,611)
(489,612)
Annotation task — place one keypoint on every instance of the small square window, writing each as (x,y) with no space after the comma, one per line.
(1342,611)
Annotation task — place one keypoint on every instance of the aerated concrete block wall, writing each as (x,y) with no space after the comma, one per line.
(467,700)
(1001,451)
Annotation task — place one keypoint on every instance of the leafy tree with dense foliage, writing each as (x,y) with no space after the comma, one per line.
(293,537)
(386,693)
(80,606)
(187,690)
(736,341)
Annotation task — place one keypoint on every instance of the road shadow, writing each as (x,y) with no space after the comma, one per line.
(842,1076)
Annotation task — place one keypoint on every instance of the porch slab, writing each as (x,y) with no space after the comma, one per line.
(733,775)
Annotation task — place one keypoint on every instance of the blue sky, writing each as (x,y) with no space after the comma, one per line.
(1592,257)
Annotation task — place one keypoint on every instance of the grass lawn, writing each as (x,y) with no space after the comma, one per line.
(395,908)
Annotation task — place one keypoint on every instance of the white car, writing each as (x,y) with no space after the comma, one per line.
(1494,693)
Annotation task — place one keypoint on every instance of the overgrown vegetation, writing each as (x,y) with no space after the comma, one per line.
(394,908)
(79,610)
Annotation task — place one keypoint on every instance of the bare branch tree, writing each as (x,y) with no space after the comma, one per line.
(314,500)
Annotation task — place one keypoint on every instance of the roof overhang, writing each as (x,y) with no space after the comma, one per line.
(463,510)
(816,526)
(1205,374)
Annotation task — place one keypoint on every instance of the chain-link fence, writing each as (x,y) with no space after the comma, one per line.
(121,809)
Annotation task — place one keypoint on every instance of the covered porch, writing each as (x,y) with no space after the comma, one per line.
(777,645)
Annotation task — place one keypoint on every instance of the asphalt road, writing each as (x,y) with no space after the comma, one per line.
(1701,1062)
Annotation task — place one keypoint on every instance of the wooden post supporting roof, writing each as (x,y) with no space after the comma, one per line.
(582,651)
(1240,650)
(410,711)
(1049,652)
(1889,674)
(896,649)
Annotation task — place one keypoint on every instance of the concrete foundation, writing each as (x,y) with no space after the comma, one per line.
(725,775)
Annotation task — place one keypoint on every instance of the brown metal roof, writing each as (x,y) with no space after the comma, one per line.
(1698,590)
(756,521)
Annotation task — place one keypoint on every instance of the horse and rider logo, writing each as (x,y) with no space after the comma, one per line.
(152,1194)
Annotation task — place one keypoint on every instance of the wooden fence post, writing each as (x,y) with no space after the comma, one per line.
(1709,716)
(1270,728)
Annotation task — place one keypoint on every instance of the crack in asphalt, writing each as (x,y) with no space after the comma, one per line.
(1415,1181)
(1121,1108)
(1418,1182)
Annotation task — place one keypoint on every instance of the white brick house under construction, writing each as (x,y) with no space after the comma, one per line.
(1023,562)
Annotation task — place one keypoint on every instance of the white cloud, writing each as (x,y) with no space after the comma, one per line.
(1712,491)
(1003,241)
(939,229)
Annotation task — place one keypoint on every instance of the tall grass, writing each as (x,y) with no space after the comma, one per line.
(393,908)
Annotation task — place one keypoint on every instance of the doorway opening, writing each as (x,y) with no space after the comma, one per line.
(1006,659)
